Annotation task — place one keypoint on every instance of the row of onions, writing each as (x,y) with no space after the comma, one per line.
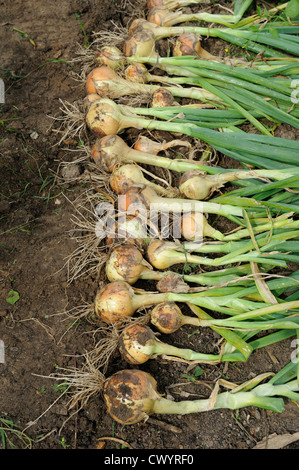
(248,295)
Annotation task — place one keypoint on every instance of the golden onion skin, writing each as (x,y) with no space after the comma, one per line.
(125,263)
(114,302)
(136,344)
(100,120)
(130,395)
(195,185)
(162,98)
(167,317)
(106,151)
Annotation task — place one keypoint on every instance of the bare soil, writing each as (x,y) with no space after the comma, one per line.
(38,39)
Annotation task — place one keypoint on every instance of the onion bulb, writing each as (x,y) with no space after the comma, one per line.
(102,73)
(144,144)
(136,72)
(195,226)
(190,44)
(141,43)
(167,317)
(130,395)
(110,56)
(126,176)
(126,263)
(162,98)
(137,344)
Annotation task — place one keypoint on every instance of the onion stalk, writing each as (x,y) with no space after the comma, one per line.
(117,302)
(126,262)
(134,199)
(105,117)
(138,344)
(252,39)
(131,396)
(162,17)
(111,151)
(107,83)
(196,184)
(164,254)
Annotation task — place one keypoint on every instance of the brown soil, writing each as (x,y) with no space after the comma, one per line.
(36,239)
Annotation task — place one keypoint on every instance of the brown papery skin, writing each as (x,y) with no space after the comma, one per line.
(100,121)
(187,44)
(131,337)
(140,44)
(120,183)
(114,302)
(132,201)
(99,73)
(130,395)
(127,262)
(167,317)
(102,154)
(136,72)
(162,98)
(123,236)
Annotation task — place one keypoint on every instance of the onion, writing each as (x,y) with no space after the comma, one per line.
(103,118)
(107,83)
(110,56)
(167,317)
(162,16)
(195,184)
(148,198)
(131,175)
(136,72)
(138,344)
(189,44)
(162,254)
(161,98)
(126,263)
(131,396)
(195,226)
(102,73)
(111,151)
(141,42)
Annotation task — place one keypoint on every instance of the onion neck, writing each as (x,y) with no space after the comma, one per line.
(146,300)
